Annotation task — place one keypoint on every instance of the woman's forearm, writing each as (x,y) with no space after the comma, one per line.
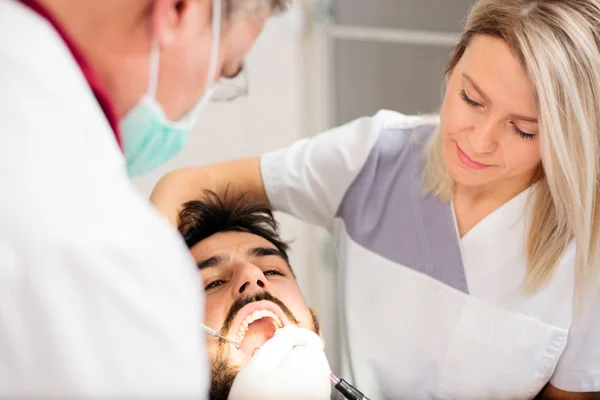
(187,184)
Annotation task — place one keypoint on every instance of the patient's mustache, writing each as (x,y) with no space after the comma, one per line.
(243,301)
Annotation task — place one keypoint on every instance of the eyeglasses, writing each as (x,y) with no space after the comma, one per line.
(227,90)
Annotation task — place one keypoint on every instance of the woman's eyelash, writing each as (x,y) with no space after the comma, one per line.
(524,135)
(466,99)
(471,103)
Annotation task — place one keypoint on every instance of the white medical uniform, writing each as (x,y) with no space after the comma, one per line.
(99,297)
(449,316)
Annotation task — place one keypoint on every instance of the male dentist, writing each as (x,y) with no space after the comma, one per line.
(99,296)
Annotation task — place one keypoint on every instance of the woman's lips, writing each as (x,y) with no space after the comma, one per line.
(466,161)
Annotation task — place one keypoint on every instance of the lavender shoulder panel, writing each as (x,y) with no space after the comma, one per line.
(384,210)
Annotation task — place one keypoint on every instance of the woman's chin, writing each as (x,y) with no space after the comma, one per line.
(464,177)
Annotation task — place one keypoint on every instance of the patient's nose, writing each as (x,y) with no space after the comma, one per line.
(250,280)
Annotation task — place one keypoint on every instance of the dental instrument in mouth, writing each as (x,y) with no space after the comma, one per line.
(250,319)
(216,334)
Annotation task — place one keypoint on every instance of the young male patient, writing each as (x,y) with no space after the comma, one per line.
(250,288)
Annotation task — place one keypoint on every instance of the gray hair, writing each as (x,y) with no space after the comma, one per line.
(255,6)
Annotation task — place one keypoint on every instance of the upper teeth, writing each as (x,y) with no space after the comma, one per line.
(256,315)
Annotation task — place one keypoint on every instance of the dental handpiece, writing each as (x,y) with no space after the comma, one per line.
(346,389)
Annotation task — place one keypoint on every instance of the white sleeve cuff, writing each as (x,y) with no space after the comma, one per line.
(579,383)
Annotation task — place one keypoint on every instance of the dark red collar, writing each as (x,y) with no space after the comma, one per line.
(89,73)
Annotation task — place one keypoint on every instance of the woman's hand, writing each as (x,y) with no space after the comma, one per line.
(552,393)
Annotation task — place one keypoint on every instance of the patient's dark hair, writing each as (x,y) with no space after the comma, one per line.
(200,219)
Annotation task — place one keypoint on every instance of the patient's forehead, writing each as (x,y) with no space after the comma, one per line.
(232,243)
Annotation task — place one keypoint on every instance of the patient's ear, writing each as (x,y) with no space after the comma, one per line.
(316,325)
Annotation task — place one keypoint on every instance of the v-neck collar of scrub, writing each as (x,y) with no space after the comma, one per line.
(502,218)
(496,242)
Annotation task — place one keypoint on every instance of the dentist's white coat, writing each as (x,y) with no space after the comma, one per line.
(99,297)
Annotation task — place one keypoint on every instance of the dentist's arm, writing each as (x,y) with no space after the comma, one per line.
(183,185)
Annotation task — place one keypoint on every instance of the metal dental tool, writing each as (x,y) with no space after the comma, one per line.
(216,334)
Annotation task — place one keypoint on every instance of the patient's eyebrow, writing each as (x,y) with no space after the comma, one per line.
(213,261)
(266,252)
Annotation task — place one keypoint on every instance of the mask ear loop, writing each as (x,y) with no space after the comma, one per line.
(214,54)
(154,67)
(216,41)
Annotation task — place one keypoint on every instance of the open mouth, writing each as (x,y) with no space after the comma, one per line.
(259,324)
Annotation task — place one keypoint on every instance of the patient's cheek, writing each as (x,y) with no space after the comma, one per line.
(301,311)
(215,310)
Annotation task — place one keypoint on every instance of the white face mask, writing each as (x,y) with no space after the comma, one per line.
(150,138)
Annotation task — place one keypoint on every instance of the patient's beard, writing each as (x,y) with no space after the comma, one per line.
(223,374)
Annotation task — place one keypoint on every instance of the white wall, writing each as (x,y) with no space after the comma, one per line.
(285,104)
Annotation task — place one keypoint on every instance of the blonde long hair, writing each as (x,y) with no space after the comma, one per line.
(558,44)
